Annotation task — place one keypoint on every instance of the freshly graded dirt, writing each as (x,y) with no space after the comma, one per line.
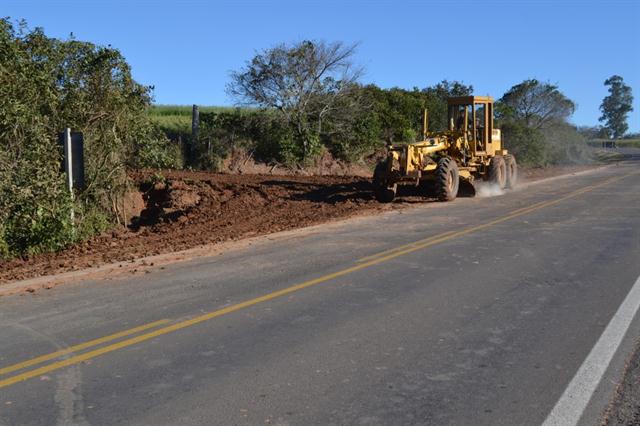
(191,209)
(197,208)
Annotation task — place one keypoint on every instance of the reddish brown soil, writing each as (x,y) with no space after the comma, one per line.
(197,208)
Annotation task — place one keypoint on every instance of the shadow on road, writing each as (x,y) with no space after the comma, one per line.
(361,191)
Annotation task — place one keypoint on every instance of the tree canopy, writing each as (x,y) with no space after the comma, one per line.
(305,81)
(535,104)
(616,106)
(533,117)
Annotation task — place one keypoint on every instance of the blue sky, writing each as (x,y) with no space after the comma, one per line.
(187,48)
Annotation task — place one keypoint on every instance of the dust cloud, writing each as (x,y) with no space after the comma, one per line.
(486,189)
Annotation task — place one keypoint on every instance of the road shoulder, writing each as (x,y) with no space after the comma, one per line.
(624,408)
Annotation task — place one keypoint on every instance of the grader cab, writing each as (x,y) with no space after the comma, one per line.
(469,150)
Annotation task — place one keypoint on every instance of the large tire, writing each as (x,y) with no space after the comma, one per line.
(383,192)
(447,179)
(512,170)
(498,171)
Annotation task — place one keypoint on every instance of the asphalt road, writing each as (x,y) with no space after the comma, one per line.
(477,312)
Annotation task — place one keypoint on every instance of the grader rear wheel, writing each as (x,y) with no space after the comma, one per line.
(447,179)
(512,170)
(498,171)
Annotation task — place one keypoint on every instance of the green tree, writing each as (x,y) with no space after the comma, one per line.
(526,143)
(437,96)
(304,81)
(616,106)
(535,104)
(399,111)
(533,118)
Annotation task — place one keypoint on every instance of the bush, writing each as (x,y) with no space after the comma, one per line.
(47,85)
(361,139)
(156,151)
(565,145)
(260,132)
(4,246)
(525,143)
(35,206)
(559,143)
(353,127)
(399,112)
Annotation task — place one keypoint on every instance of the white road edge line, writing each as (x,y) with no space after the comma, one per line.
(573,402)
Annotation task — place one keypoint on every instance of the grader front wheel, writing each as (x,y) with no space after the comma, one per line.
(447,179)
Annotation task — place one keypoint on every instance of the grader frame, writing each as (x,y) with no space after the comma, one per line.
(469,150)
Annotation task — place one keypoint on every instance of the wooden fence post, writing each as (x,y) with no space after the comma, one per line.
(195,125)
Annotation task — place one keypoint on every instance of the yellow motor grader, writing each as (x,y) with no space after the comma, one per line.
(470,150)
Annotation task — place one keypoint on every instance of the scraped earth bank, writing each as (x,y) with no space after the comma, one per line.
(191,209)
(197,208)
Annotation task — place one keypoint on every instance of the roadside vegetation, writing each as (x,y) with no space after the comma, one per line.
(47,85)
(297,103)
(620,143)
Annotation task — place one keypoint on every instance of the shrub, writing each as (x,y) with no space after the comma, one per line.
(155,150)
(525,143)
(35,206)
(47,85)
(559,143)
(565,145)
(258,131)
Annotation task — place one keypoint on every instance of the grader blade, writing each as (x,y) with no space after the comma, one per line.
(467,188)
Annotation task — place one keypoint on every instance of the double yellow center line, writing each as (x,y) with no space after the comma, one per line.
(148,333)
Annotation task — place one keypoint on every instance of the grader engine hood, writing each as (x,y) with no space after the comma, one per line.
(415,156)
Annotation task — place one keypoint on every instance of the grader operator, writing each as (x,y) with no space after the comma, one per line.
(470,150)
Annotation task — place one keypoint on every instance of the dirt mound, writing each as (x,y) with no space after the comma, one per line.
(166,201)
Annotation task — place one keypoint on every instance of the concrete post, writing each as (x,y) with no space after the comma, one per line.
(68,164)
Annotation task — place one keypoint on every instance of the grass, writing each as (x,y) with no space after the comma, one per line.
(604,156)
(633,143)
(175,120)
(183,110)
(621,143)
(173,125)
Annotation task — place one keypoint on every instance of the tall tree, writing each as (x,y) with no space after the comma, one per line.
(437,100)
(446,89)
(616,106)
(535,104)
(304,81)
